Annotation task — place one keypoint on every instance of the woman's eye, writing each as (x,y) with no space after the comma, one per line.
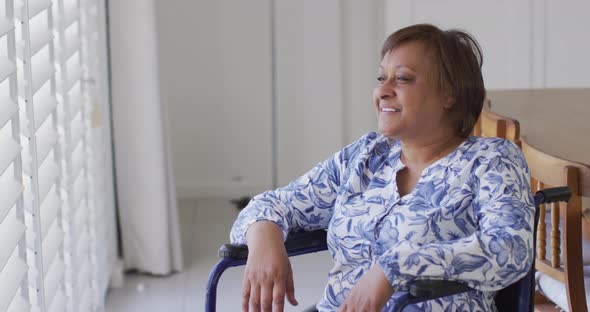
(381,79)
(403,78)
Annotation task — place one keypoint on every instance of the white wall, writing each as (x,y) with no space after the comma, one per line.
(327,58)
(150,229)
(215,64)
(215,79)
(526,44)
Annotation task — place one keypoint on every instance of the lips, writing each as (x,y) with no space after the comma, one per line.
(390,110)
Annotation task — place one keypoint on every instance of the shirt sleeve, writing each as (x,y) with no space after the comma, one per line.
(306,203)
(499,253)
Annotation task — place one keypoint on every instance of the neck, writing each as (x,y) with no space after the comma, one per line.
(421,153)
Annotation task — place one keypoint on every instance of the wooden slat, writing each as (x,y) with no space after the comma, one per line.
(45,104)
(74,75)
(9,152)
(555,236)
(7,67)
(5,26)
(546,307)
(46,140)
(549,169)
(49,209)
(495,125)
(11,232)
(38,6)
(48,173)
(545,267)
(51,244)
(574,274)
(10,280)
(541,230)
(59,302)
(8,196)
(54,279)
(71,15)
(19,304)
(40,35)
(42,71)
(566,221)
(7,110)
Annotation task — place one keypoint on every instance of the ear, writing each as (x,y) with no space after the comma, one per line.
(448,102)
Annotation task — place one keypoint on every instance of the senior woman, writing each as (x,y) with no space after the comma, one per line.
(419,199)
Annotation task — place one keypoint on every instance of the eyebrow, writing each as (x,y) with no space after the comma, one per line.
(398,66)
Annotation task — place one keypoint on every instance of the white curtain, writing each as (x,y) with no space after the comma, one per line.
(147,201)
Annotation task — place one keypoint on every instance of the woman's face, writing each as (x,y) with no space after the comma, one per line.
(408,102)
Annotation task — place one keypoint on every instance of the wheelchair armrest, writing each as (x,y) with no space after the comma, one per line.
(424,290)
(432,289)
(233,251)
(297,243)
(552,195)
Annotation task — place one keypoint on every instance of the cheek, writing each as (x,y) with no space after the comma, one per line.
(376,97)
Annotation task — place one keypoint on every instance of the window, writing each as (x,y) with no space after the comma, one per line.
(57,243)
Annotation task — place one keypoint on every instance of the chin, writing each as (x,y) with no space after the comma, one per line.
(389,132)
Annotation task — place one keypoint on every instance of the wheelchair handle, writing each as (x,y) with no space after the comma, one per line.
(296,243)
(552,195)
(233,251)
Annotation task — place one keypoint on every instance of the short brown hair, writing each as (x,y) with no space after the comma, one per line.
(457,59)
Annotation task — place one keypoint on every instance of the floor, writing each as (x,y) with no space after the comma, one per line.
(205,225)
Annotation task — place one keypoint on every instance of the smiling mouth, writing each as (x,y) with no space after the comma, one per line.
(389,110)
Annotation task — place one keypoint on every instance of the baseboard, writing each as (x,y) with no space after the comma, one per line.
(118,275)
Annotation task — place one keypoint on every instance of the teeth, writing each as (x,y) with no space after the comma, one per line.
(387,109)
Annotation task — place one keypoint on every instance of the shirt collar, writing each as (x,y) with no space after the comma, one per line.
(447,161)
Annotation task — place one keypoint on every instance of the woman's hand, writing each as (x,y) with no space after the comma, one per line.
(370,293)
(268,276)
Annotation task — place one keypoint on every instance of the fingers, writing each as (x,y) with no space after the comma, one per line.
(266,297)
(291,288)
(255,298)
(278,297)
(245,294)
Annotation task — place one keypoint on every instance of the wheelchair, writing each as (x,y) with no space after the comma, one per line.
(518,297)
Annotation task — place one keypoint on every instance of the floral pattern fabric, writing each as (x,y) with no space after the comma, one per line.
(469,218)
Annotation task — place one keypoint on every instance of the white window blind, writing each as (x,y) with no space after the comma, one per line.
(41,153)
(57,230)
(13,268)
(87,240)
(103,252)
(103,231)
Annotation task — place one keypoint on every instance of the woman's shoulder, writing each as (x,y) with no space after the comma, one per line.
(368,146)
(496,148)
(369,142)
(493,145)
(375,137)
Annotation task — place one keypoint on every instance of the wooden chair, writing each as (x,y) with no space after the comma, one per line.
(491,124)
(477,128)
(547,171)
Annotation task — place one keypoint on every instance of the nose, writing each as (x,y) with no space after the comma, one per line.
(385,91)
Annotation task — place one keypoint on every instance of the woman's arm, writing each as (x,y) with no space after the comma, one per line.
(498,254)
(306,203)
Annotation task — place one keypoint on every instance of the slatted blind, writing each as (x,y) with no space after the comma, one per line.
(41,153)
(103,252)
(75,151)
(13,267)
(57,228)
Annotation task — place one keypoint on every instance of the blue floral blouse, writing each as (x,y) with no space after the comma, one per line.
(469,218)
